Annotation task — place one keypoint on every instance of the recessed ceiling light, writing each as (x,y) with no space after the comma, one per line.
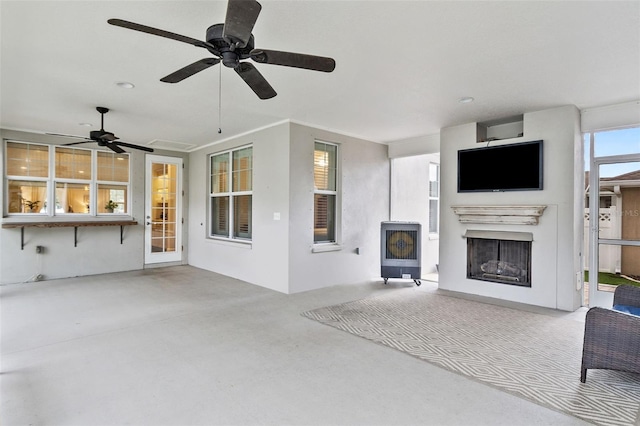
(125,85)
(466,100)
(85,124)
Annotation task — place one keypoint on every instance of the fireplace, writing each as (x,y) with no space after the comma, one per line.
(501,257)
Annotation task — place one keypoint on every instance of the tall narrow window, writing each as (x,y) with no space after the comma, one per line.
(113,182)
(325,174)
(231,180)
(434,197)
(73,179)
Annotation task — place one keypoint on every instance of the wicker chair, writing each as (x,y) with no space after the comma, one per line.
(612,338)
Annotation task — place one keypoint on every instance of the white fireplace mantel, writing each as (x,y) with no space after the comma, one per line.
(507,215)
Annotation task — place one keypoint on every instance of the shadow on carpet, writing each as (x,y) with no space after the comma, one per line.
(533,356)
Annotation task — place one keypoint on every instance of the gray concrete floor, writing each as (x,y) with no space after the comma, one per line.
(183,346)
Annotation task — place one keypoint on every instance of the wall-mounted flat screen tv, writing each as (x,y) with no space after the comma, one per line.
(513,167)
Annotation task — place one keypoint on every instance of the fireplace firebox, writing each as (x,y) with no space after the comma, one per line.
(492,257)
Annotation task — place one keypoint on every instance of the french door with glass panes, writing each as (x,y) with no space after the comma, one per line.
(163,209)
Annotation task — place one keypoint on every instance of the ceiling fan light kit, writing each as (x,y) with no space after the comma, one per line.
(231,43)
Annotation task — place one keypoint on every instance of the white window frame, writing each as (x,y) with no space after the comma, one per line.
(7,178)
(434,234)
(51,180)
(73,181)
(230,194)
(99,182)
(324,246)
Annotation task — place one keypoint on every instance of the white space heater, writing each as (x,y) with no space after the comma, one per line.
(400,250)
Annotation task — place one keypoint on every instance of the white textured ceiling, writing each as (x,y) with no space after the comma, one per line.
(401,66)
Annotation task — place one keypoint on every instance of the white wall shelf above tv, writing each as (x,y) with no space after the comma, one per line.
(505,128)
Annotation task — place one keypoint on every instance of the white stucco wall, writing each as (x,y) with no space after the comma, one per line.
(98,249)
(265,260)
(365,202)
(556,245)
(410,201)
(280,255)
(427,144)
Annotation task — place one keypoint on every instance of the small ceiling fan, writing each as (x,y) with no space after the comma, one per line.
(103,137)
(232,42)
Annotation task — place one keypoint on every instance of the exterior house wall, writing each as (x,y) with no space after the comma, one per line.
(280,255)
(364,183)
(410,201)
(283,190)
(556,248)
(264,261)
(98,250)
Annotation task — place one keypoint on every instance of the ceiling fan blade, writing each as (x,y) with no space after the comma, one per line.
(115,148)
(255,80)
(129,145)
(162,33)
(190,70)
(76,143)
(65,136)
(297,60)
(239,22)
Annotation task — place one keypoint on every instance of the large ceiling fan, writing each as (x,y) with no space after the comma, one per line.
(104,138)
(232,42)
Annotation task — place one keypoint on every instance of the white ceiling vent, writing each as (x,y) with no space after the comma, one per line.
(170,145)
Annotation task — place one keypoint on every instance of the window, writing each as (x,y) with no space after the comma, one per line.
(325,163)
(231,180)
(113,182)
(27,176)
(72,180)
(81,181)
(434,197)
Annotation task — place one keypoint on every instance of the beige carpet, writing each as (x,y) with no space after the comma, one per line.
(531,355)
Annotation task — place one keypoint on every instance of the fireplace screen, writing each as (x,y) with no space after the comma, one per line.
(501,261)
